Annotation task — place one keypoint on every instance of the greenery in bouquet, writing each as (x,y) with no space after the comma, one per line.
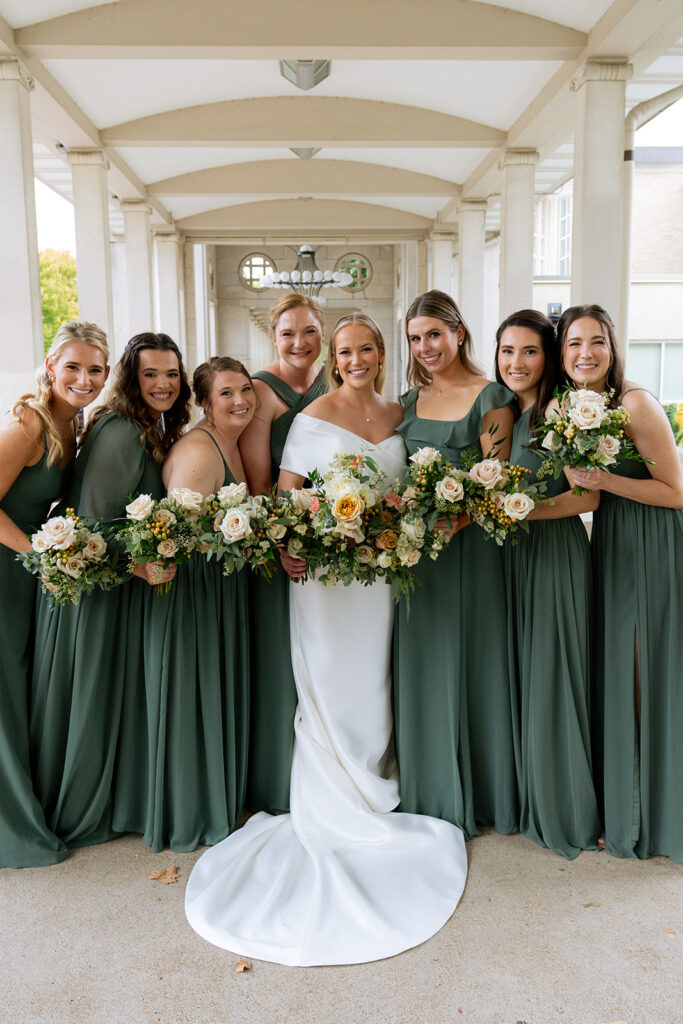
(241,529)
(432,489)
(71,556)
(165,530)
(503,498)
(584,432)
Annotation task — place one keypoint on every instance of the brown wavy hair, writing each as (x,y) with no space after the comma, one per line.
(332,374)
(40,401)
(203,377)
(615,373)
(125,399)
(544,329)
(442,307)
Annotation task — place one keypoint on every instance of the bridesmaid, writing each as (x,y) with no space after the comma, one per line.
(453,700)
(197,657)
(87,700)
(637,557)
(282,390)
(549,586)
(37,443)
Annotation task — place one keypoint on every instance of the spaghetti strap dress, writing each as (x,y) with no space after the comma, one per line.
(196,656)
(26,840)
(638,567)
(273,690)
(549,587)
(87,654)
(453,701)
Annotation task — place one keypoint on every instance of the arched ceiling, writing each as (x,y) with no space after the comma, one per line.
(420,102)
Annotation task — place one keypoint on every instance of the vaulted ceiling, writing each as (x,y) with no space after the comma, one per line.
(421,100)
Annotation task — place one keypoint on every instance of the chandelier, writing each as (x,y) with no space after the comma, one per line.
(306,277)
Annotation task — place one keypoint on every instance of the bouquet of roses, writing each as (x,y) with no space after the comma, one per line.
(503,499)
(71,559)
(241,529)
(165,530)
(584,432)
(432,489)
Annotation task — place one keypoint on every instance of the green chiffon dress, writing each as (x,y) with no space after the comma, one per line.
(25,838)
(548,576)
(85,653)
(453,702)
(197,687)
(273,691)
(638,568)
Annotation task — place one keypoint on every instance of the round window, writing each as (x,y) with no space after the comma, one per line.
(359,267)
(252,268)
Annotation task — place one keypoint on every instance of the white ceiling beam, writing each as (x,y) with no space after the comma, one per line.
(300,30)
(293,216)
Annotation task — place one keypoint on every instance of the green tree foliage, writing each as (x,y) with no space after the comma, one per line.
(58,291)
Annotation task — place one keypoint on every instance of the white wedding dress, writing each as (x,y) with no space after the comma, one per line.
(340,879)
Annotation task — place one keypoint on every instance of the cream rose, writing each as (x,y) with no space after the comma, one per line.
(95,547)
(548,442)
(425,457)
(449,489)
(498,499)
(191,501)
(410,558)
(348,508)
(73,566)
(141,508)
(488,473)
(167,548)
(301,499)
(295,547)
(384,560)
(609,449)
(235,525)
(518,506)
(59,532)
(164,516)
(413,530)
(276,531)
(351,528)
(365,554)
(588,413)
(232,492)
(338,485)
(39,542)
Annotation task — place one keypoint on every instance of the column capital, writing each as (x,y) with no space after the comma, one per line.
(441,236)
(167,236)
(12,71)
(87,157)
(473,206)
(610,70)
(518,158)
(135,206)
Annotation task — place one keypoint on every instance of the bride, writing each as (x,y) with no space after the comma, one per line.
(340,879)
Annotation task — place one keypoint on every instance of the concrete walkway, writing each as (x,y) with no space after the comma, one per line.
(535,940)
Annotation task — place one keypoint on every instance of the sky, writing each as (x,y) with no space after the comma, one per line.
(56,219)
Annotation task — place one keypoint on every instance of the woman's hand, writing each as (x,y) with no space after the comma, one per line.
(155,572)
(294,567)
(590,479)
(450,525)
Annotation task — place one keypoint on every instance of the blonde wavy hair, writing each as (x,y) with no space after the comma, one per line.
(292,300)
(40,401)
(332,374)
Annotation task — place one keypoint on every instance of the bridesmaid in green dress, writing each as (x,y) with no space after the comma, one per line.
(37,443)
(88,715)
(452,692)
(549,586)
(637,547)
(197,654)
(282,389)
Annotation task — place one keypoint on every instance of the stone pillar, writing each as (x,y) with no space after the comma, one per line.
(598,168)
(91,218)
(169,287)
(517,230)
(201,304)
(440,264)
(472,222)
(21,322)
(138,248)
(407,257)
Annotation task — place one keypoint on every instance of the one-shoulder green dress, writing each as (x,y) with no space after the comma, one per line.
(197,686)
(273,691)
(453,701)
(548,575)
(638,568)
(25,838)
(85,653)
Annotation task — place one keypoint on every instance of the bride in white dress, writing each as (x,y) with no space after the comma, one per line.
(340,879)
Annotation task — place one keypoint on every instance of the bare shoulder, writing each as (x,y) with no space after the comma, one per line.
(320,408)
(24,430)
(395,414)
(552,407)
(640,402)
(477,383)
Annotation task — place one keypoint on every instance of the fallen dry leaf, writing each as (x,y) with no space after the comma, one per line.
(243,965)
(669,931)
(167,876)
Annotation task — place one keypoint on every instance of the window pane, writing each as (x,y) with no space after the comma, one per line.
(642,366)
(673,372)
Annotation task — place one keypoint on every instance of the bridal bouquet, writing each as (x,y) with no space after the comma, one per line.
(241,529)
(71,559)
(583,433)
(165,530)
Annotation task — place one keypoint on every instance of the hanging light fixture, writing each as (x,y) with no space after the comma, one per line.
(306,277)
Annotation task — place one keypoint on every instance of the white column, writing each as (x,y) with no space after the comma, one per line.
(91,218)
(407,255)
(472,223)
(598,168)
(201,304)
(440,265)
(21,320)
(138,248)
(167,294)
(517,230)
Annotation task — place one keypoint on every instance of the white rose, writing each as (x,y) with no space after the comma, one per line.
(587,414)
(192,501)
(296,546)
(73,566)
(233,492)
(95,547)
(609,449)
(518,506)
(165,516)
(369,495)
(58,532)
(167,548)
(548,442)
(425,456)
(582,395)
(384,560)
(141,508)
(449,489)
(301,499)
(337,485)
(39,542)
(410,558)
(276,531)
(235,525)
(488,473)
(498,499)
(365,554)
(351,528)
(413,530)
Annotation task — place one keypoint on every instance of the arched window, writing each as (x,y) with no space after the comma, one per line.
(252,268)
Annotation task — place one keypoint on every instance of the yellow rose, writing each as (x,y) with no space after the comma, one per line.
(387,540)
(348,507)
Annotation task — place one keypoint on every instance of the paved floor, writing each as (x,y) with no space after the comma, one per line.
(535,940)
